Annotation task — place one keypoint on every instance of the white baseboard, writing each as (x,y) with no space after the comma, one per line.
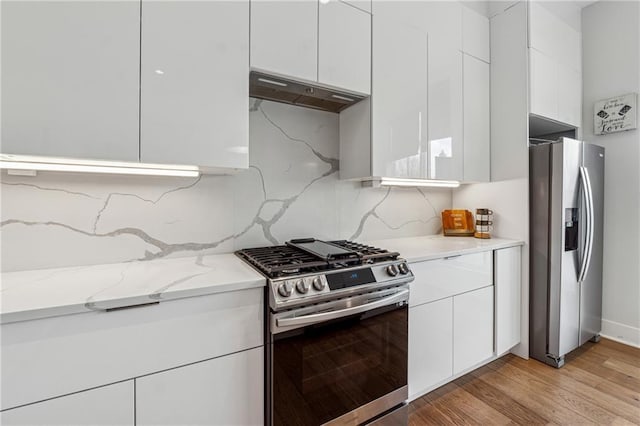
(621,333)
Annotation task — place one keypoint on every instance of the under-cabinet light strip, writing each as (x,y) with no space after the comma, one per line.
(419,182)
(58,167)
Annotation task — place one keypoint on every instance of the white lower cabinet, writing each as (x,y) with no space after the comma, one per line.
(449,336)
(508,298)
(472,328)
(430,344)
(105,406)
(222,391)
(464,311)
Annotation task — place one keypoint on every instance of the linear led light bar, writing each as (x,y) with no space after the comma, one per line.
(11,162)
(343,98)
(383,181)
(275,83)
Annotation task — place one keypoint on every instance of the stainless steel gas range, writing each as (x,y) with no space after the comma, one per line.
(337,333)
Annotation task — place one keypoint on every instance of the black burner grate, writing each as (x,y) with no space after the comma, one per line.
(278,261)
(368,254)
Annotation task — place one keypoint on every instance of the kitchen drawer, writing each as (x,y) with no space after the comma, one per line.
(472,328)
(437,279)
(56,356)
(111,405)
(221,391)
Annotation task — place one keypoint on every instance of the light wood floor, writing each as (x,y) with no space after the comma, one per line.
(599,384)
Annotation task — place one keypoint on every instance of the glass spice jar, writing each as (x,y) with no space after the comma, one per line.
(484,223)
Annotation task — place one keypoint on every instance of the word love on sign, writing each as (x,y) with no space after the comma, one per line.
(615,115)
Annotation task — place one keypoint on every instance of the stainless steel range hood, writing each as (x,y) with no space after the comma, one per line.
(280,89)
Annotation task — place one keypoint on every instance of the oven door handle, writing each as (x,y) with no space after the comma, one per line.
(325,316)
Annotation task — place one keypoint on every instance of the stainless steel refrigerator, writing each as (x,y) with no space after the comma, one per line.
(566,190)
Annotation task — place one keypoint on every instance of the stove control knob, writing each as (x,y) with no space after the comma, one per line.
(404,268)
(285,289)
(392,270)
(302,286)
(318,284)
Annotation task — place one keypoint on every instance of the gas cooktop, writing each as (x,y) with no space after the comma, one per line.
(308,271)
(310,255)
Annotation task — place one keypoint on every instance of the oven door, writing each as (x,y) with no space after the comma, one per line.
(344,365)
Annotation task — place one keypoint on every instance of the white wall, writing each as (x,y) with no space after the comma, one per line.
(611,67)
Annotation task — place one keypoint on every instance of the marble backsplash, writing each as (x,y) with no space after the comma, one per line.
(291,190)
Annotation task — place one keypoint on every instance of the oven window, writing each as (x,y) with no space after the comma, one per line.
(324,371)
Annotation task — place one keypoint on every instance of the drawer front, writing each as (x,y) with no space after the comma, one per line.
(222,391)
(106,406)
(440,278)
(55,356)
(430,345)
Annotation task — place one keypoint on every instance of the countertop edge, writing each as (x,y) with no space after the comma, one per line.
(441,254)
(103,305)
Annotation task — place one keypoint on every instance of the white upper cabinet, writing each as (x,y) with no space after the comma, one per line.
(475,35)
(399,94)
(554,29)
(70,73)
(344,47)
(445,150)
(477,116)
(309,40)
(424,124)
(543,83)
(284,37)
(569,96)
(555,61)
(195,91)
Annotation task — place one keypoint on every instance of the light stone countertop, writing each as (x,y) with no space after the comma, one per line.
(28,295)
(418,249)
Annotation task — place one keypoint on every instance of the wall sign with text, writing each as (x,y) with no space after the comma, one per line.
(616,114)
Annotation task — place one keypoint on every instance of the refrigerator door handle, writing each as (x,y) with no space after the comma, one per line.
(587,193)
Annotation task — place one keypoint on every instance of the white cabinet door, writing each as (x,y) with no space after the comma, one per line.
(223,391)
(111,405)
(472,328)
(88,350)
(569,96)
(445,110)
(554,29)
(70,74)
(430,345)
(284,37)
(477,145)
(194,83)
(543,85)
(475,34)
(344,47)
(555,58)
(399,95)
(360,4)
(508,295)
(440,278)
(445,151)
(195,92)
